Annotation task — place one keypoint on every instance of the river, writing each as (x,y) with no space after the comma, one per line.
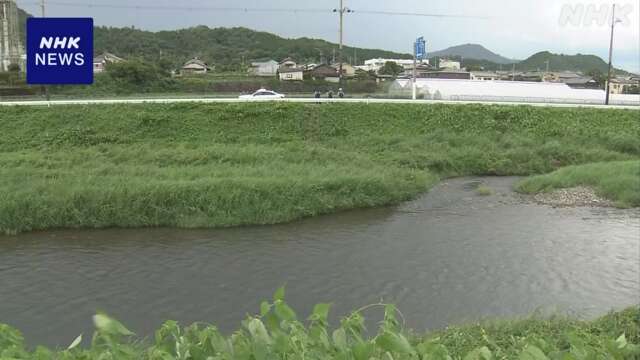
(449,257)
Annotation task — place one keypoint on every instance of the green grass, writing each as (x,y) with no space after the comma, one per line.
(204,165)
(483,190)
(618,181)
(278,334)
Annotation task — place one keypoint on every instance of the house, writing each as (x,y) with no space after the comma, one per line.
(377,64)
(347,70)
(195,66)
(484,76)
(459,75)
(622,86)
(309,67)
(447,64)
(291,74)
(531,76)
(563,76)
(582,83)
(287,63)
(324,72)
(267,68)
(100,62)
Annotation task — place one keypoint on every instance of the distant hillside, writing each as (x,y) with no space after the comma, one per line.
(579,62)
(225,47)
(221,46)
(472,51)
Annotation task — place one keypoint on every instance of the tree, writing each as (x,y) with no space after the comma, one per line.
(633,89)
(134,72)
(13,67)
(365,75)
(391,68)
(474,68)
(599,77)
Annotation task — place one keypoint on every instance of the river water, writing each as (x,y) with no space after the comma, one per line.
(449,257)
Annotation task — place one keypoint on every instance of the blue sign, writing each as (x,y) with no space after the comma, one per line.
(420,48)
(59,51)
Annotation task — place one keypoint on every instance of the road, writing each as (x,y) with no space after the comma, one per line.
(296,100)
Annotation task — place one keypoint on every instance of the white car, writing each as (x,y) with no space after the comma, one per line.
(262,94)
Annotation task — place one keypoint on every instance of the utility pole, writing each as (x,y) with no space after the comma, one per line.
(513,73)
(341,38)
(341,11)
(45,89)
(415,64)
(613,25)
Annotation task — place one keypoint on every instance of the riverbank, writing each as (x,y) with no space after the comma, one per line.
(278,334)
(599,184)
(217,165)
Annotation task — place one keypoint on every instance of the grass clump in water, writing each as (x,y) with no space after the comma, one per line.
(618,181)
(484,190)
(215,165)
(278,334)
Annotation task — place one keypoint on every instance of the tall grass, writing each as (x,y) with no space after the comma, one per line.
(276,333)
(619,181)
(202,165)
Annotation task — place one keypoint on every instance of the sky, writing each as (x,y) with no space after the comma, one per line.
(514,28)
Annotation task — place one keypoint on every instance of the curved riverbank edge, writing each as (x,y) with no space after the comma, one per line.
(277,334)
(219,165)
(608,184)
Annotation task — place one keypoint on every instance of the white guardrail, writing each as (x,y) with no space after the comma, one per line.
(313,100)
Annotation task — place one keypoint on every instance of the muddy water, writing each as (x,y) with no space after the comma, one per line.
(449,257)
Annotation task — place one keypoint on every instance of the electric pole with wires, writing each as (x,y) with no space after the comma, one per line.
(614,21)
(341,11)
(45,89)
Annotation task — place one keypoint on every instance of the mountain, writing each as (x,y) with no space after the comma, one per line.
(472,51)
(222,46)
(227,48)
(557,62)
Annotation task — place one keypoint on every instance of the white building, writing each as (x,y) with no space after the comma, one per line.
(288,63)
(264,68)
(100,62)
(195,66)
(484,76)
(449,64)
(291,74)
(377,64)
(506,91)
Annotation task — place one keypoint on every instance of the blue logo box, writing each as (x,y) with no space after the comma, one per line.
(59,51)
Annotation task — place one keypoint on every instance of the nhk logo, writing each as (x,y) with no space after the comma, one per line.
(62,59)
(59,50)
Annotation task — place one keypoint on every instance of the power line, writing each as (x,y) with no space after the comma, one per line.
(177,8)
(393,13)
(243,9)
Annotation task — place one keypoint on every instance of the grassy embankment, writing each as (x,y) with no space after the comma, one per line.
(619,181)
(277,334)
(203,165)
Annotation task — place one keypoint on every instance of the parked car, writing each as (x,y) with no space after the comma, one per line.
(262,94)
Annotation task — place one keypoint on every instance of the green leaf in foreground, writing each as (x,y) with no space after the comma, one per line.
(110,326)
